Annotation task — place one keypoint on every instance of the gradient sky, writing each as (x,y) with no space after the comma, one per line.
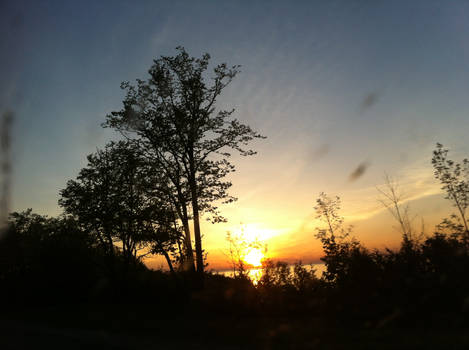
(333,85)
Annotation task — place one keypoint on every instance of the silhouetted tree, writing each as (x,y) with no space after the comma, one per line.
(455,180)
(275,275)
(393,200)
(236,252)
(47,258)
(116,198)
(303,278)
(327,210)
(337,248)
(238,248)
(173,115)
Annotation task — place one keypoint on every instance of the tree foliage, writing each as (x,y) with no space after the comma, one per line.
(454,178)
(42,257)
(335,237)
(115,199)
(393,200)
(239,247)
(327,210)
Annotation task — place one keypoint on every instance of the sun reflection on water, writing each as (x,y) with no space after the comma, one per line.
(255,275)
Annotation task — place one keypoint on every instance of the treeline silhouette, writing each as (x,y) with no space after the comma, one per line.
(421,285)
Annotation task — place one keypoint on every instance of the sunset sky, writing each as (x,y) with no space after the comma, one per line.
(333,85)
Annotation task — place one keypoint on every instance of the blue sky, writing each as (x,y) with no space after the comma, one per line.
(331,84)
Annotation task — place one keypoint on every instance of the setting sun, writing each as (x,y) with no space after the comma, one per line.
(248,245)
(254,257)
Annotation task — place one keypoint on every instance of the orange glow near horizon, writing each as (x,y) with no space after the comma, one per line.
(287,233)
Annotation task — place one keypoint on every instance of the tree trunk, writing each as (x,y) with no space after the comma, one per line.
(189,254)
(195,213)
(168,259)
(188,240)
(198,239)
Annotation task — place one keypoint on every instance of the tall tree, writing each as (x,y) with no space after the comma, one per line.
(173,115)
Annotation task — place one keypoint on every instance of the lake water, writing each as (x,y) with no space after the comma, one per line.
(256,273)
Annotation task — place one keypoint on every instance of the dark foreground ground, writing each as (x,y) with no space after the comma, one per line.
(140,327)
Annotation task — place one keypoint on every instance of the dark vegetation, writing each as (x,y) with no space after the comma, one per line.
(83,270)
